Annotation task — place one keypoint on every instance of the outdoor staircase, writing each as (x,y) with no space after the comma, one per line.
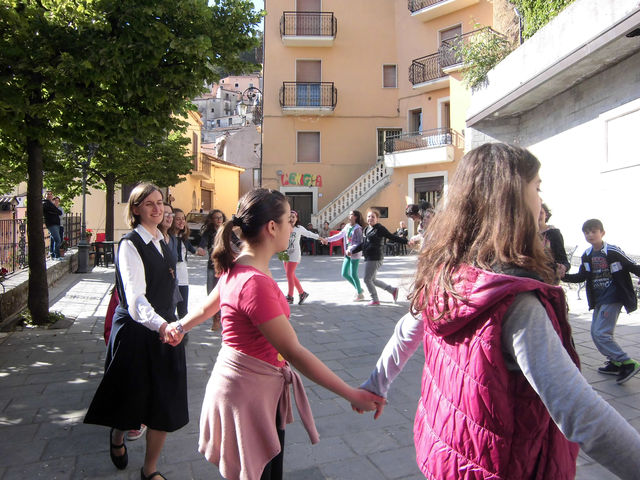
(355,195)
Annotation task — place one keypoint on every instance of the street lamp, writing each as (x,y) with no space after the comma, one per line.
(83,246)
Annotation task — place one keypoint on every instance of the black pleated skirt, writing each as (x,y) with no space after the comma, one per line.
(145,380)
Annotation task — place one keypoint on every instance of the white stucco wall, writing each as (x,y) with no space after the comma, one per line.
(588,141)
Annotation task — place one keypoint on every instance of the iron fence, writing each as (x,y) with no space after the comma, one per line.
(436,137)
(308,94)
(415,5)
(308,24)
(14,244)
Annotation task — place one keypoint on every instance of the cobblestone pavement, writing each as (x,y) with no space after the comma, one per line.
(48,377)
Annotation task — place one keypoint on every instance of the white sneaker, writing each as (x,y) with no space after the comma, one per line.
(358,297)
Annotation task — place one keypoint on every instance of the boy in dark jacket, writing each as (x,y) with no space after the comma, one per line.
(606,269)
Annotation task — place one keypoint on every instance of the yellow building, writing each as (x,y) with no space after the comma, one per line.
(364,103)
(213,183)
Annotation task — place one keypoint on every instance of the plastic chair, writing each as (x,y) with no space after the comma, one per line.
(101,237)
(336,244)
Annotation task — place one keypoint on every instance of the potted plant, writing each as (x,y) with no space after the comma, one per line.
(64,246)
(88,232)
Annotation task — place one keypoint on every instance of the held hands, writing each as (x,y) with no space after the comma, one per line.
(323,241)
(200,251)
(365,401)
(170,334)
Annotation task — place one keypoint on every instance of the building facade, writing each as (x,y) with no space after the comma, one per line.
(354,120)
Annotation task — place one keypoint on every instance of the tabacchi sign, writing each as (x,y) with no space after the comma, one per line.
(302,179)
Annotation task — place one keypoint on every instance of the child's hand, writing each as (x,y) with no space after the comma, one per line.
(365,401)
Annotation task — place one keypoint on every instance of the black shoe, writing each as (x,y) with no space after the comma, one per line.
(150,477)
(120,461)
(303,297)
(289,299)
(627,370)
(610,368)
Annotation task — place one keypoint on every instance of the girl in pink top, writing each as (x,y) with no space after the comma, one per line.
(247,405)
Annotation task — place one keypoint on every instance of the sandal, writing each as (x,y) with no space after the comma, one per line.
(149,477)
(120,461)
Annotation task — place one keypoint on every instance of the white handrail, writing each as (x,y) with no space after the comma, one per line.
(356,194)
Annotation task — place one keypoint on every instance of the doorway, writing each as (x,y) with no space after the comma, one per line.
(301,202)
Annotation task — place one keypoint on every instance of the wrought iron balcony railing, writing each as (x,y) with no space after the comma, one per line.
(436,137)
(428,68)
(308,95)
(415,5)
(424,69)
(308,24)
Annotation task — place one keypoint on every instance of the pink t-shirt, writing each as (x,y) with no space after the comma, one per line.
(248,298)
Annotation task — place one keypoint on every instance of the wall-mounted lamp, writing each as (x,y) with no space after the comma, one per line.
(278,172)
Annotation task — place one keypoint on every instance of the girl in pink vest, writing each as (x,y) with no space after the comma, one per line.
(247,402)
(502,394)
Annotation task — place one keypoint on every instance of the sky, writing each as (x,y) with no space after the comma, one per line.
(259,4)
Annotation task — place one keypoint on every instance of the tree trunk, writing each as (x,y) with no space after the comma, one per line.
(110,183)
(38,299)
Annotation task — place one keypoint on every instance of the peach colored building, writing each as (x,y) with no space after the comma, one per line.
(364,103)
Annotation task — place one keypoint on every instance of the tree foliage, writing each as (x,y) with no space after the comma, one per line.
(106,72)
(537,13)
(481,53)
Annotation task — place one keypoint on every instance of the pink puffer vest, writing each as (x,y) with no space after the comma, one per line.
(475,419)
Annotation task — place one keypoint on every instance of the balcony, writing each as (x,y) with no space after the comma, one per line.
(308,98)
(308,29)
(432,72)
(420,148)
(201,167)
(426,10)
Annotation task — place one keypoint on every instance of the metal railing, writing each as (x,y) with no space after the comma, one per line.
(430,67)
(14,244)
(308,94)
(436,137)
(424,69)
(308,24)
(356,194)
(415,5)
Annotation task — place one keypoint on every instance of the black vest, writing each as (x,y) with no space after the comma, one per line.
(159,275)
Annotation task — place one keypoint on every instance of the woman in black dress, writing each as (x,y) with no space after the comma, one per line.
(145,379)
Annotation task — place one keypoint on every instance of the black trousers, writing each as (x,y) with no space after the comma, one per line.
(274,470)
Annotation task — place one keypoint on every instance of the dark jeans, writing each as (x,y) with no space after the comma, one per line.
(54,240)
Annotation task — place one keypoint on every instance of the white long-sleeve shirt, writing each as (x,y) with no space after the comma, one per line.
(134,282)
(294,250)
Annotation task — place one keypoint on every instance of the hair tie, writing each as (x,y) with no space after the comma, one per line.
(237,221)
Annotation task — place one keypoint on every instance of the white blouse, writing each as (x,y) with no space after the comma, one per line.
(134,282)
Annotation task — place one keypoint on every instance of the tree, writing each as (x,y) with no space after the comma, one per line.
(537,13)
(103,71)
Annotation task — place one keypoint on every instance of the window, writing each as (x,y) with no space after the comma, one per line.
(450,33)
(194,150)
(385,134)
(218,122)
(415,120)
(213,110)
(389,76)
(384,211)
(308,147)
(236,85)
(256,177)
(250,85)
(230,120)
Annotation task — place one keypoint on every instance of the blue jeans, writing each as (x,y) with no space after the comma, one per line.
(54,240)
(603,324)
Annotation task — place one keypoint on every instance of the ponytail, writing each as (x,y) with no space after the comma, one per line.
(223,254)
(255,209)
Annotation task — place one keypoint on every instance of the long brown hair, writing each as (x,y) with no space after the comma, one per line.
(184,233)
(484,222)
(256,208)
